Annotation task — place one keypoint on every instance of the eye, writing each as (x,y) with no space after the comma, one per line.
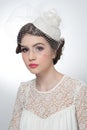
(24,50)
(39,48)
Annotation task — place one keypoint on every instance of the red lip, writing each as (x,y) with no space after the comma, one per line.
(33,65)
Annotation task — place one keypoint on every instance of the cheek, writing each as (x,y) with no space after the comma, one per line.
(24,58)
(45,57)
(48,54)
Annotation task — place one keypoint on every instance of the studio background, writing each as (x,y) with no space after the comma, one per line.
(14,14)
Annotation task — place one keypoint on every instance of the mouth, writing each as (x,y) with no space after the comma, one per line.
(33,65)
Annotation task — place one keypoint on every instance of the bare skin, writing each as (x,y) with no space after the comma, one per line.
(48,80)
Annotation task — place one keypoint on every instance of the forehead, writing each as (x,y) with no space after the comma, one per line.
(31,40)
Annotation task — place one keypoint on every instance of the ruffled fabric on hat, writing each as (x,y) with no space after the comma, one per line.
(49,23)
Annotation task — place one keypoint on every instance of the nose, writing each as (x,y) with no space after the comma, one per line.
(31,56)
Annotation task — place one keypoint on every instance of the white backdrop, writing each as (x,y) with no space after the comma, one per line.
(14,14)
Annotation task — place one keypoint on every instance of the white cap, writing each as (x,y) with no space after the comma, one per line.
(49,23)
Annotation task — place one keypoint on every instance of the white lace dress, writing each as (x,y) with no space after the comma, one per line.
(62,108)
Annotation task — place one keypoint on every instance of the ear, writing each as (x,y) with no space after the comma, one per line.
(54,54)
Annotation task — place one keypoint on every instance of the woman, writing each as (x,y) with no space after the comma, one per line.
(51,101)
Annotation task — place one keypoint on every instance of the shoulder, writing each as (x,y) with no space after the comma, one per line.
(76,84)
(77,87)
(74,81)
(24,86)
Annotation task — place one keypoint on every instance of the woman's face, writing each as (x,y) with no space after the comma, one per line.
(37,54)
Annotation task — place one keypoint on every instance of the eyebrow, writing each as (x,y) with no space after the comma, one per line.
(33,45)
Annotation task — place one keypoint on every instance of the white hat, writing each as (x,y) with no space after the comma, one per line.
(49,23)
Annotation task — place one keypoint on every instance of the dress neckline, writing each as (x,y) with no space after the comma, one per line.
(50,90)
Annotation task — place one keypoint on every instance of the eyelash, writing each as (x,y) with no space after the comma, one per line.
(25,50)
(39,48)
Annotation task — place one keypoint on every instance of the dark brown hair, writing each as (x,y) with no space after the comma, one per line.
(31,29)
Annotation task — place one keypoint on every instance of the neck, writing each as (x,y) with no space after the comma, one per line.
(48,79)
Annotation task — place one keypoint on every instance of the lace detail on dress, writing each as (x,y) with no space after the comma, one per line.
(44,104)
(18,107)
(81,108)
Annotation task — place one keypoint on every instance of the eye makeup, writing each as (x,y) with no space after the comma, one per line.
(24,49)
(37,47)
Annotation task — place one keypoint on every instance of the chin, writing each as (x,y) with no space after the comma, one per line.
(33,71)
